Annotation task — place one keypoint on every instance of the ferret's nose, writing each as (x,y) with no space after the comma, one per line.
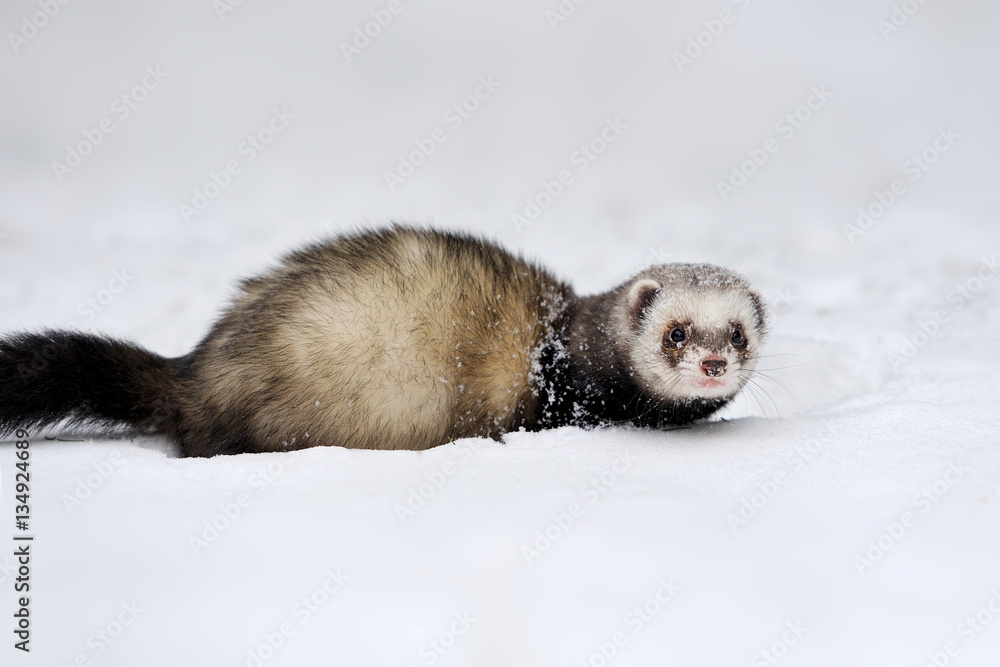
(713,367)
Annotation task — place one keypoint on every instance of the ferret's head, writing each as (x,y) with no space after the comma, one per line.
(697,330)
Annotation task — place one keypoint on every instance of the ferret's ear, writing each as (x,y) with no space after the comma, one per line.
(640,297)
(760,310)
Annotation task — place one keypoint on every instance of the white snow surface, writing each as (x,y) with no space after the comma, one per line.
(845,512)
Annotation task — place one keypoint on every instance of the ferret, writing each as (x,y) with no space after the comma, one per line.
(405,338)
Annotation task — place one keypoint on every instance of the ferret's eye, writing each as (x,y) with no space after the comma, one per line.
(737,337)
(678,335)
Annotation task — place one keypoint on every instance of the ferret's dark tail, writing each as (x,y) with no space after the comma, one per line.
(49,377)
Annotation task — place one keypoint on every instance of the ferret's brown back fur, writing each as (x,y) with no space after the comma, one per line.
(399,339)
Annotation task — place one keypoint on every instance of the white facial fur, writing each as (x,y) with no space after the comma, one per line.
(706,303)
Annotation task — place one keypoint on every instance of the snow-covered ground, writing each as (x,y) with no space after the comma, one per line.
(845,513)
